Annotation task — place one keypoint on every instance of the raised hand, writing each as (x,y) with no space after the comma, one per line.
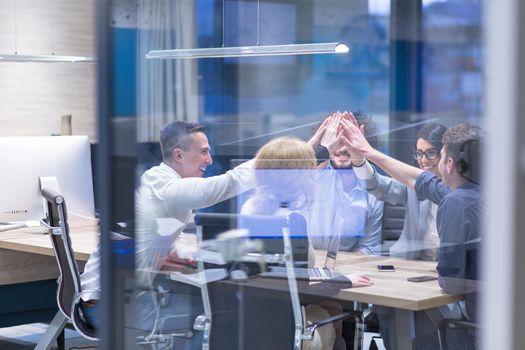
(349,116)
(330,137)
(318,136)
(353,138)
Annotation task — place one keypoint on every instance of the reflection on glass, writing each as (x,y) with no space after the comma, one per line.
(406,80)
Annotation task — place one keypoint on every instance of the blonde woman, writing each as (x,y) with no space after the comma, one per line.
(285,174)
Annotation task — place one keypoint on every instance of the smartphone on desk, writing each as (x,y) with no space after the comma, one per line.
(422,278)
(385,268)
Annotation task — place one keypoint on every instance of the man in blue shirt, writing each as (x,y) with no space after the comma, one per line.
(342,205)
(456,193)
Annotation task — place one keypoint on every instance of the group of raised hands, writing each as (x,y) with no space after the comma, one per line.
(341,131)
(338,132)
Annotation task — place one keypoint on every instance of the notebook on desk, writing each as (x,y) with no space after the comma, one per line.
(315,274)
(7,226)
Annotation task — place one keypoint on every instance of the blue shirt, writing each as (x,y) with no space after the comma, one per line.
(458,224)
(354,214)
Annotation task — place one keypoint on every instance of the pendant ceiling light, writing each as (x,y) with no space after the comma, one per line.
(16,57)
(43,58)
(247,51)
(250,51)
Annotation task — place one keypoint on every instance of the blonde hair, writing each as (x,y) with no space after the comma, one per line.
(284,175)
(285,153)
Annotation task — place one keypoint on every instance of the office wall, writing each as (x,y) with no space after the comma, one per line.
(33,96)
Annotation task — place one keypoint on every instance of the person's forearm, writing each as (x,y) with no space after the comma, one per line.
(402,172)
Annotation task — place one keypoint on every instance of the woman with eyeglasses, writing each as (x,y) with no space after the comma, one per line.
(419,238)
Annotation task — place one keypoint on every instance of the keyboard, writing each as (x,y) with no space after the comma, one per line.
(316,274)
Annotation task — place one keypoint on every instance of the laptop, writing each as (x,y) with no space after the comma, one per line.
(315,274)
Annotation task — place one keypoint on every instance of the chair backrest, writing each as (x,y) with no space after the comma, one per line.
(245,318)
(69,287)
(393,221)
(69,281)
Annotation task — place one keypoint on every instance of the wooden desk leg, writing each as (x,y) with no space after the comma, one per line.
(405,329)
(55,328)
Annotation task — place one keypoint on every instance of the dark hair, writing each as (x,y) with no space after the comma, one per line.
(175,135)
(455,138)
(432,133)
(371,130)
(462,143)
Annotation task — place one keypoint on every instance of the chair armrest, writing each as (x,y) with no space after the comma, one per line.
(310,329)
(86,291)
(79,322)
(78,296)
(457,323)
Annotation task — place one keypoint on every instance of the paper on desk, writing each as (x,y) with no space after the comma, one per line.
(200,278)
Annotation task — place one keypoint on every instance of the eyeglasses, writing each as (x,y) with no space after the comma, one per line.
(431,154)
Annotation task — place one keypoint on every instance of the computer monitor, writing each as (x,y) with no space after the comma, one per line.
(26,159)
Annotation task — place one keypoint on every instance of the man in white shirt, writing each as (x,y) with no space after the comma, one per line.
(164,202)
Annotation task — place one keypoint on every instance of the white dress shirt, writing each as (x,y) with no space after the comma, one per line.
(165,200)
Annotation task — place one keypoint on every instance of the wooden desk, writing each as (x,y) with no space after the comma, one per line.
(83,232)
(26,253)
(390,289)
(28,270)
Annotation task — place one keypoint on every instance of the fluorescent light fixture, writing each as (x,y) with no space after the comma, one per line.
(249,51)
(44,58)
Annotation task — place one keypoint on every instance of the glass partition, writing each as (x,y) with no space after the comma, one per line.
(395,191)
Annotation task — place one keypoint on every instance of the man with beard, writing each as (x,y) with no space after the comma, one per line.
(342,206)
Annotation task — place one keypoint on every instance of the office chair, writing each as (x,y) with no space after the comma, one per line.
(447,324)
(392,225)
(265,319)
(69,290)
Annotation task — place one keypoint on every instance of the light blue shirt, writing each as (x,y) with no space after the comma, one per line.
(353,213)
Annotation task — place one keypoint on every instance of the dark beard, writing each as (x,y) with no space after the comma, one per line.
(341,167)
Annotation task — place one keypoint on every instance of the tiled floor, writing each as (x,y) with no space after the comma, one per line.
(25,337)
